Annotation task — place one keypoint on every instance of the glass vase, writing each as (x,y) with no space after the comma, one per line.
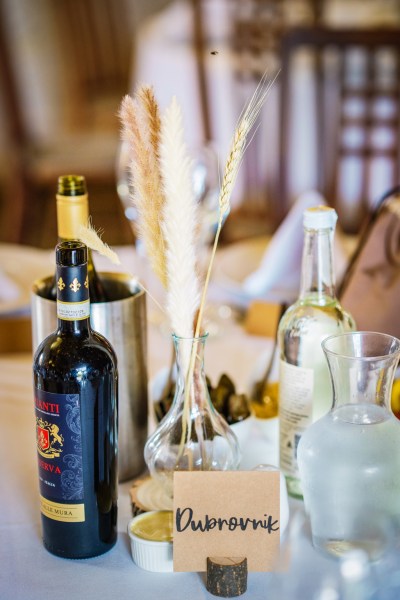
(349,460)
(193,435)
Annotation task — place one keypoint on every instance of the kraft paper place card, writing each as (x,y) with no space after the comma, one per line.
(229,514)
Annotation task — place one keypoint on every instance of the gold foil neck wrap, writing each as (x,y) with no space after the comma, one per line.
(72,212)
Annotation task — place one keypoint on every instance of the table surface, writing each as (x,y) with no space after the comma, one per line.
(29,572)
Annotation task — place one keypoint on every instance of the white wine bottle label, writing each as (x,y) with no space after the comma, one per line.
(296,386)
(59,448)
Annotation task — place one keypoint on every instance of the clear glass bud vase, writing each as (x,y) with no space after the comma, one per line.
(192,435)
(349,460)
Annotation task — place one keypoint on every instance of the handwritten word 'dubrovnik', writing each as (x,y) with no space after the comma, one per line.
(184,520)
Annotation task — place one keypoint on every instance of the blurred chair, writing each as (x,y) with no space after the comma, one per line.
(356,103)
(257,30)
(93,42)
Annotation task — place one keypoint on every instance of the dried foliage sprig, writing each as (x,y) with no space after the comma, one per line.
(179,224)
(168,215)
(152,115)
(92,238)
(148,196)
(238,147)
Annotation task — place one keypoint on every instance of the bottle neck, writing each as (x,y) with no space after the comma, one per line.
(190,377)
(73,305)
(72,212)
(317,278)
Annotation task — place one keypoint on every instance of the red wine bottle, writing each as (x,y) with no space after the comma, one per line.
(75,385)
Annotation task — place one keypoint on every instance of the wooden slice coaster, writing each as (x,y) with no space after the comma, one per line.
(226,576)
(147,494)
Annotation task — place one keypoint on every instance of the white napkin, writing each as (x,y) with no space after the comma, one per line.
(9,291)
(278,276)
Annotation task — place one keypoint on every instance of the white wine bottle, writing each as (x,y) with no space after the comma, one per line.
(72,212)
(76,397)
(305,391)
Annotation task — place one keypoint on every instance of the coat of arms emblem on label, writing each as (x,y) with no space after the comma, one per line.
(49,440)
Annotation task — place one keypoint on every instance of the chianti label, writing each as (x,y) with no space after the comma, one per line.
(59,447)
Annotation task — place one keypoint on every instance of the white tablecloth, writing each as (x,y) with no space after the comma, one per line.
(29,572)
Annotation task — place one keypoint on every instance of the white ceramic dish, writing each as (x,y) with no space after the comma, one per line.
(150,555)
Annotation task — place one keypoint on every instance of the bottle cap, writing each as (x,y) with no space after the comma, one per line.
(71,254)
(151,553)
(319,217)
(71,185)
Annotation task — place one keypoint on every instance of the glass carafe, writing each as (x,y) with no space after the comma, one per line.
(349,460)
(192,435)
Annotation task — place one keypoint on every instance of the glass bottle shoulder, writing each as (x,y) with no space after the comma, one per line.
(307,313)
(81,356)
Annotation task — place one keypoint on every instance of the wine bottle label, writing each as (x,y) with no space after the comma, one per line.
(72,293)
(59,448)
(69,513)
(76,311)
(296,386)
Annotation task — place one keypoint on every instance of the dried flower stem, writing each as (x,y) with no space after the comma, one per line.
(89,236)
(152,115)
(238,147)
(170,244)
(148,196)
(179,225)
(92,238)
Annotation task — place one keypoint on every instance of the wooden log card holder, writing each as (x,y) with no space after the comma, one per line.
(226,576)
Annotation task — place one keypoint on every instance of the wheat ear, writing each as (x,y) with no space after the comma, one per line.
(238,147)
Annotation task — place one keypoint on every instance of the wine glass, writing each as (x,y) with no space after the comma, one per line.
(205,179)
(124,186)
(124,191)
(206,186)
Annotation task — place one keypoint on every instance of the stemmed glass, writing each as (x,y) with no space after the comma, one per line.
(206,183)
(206,186)
(205,174)
(124,187)
(205,177)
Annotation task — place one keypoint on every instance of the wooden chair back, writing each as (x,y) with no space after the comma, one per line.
(357,103)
